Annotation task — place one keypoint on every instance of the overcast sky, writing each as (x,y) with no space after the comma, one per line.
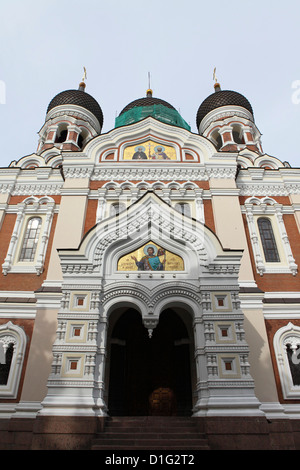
(253,44)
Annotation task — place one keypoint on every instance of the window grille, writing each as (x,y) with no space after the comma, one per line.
(268,240)
(183,208)
(31,239)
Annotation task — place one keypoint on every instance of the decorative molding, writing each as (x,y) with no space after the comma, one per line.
(255,208)
(35,189)
(77,171)
(181,172)
(31,206)
(285,335)
(268,189)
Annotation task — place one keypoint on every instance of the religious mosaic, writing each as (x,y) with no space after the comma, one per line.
(151,257)
(149,150)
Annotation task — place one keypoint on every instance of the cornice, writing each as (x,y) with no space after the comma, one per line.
(223,113)
(268,189)
(177,172)
(73,111)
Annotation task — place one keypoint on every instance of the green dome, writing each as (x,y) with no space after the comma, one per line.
(149,106)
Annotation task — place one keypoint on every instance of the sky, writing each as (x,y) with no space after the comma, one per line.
(254,46)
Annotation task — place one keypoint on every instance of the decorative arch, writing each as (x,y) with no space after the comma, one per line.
(31,206)
(268,208)
(11,336)
(147,219)
(287,339)
(156,364)
(268,162)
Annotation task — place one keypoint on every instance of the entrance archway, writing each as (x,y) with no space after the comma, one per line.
(150,376)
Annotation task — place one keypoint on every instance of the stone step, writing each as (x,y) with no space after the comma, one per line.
(146,447)
(129,434)
(150,433)
(151,421)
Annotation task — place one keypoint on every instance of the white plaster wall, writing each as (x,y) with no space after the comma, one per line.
(229,224)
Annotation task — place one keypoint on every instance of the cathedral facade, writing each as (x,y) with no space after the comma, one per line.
(149,271)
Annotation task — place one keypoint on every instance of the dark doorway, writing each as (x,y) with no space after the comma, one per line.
(149,376)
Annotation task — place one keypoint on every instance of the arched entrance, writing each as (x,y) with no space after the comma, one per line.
(149,376)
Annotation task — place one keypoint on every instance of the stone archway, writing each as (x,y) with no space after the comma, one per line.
(149,376)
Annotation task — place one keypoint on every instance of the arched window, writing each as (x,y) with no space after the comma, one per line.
(217,139)
(268,240)
(237,134)
(292,350)
(12,351)
(183,208)
(6,355)
(31,239)
(28,244)
(61,136)
(82,138)
(80,141)
(286,344)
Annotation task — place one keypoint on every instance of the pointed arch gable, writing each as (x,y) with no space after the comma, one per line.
(148,219)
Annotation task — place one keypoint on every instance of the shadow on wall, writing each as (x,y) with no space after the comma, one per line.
(261,368)
(40,357)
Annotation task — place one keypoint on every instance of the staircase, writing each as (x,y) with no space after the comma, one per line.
(150,433)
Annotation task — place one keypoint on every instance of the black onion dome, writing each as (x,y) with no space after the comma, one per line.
(146,101)
(77,98)
(219,99)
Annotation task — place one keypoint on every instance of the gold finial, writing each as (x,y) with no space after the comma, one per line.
(216,85)
(82,84)
(149,91)
(214,75)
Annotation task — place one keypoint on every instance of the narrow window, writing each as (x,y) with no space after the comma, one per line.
(80,141)
(217,139)
(30,240)
(268,240)
(183,208)
(82,138)
(61,136)
(116,208)
(5,365)
(237,135)
(293,360)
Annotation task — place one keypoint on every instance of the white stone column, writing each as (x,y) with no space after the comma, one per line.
(70,222)
(101,406)
(201,366)
(229,223)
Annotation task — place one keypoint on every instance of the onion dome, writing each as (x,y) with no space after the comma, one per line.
(78,98)
(219,99)
(150,106)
